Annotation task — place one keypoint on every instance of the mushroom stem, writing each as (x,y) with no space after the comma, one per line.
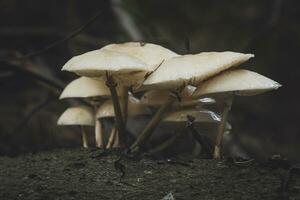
(117,108)
(112,137)
(148,130)
(99,137)
(219,138)
(124,104)
(84,137)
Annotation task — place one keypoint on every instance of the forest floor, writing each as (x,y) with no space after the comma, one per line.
(92,174)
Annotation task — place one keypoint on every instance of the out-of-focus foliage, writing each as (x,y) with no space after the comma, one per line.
(269,29)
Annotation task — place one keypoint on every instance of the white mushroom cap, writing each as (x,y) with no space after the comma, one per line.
(192,69)
(85,87)
(81,115)
(134,108)
(151,54)
(98,62)
(199,115)
(241,82)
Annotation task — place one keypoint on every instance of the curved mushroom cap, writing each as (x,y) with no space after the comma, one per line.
(151,54)
(192,69)
(98,62)
(241,82)
(134,108)
(84,87)
(199,115)
(156,98)
(81,115)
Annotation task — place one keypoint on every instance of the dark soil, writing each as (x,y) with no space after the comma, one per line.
(86,174)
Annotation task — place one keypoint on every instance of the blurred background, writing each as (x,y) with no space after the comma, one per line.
(38,37)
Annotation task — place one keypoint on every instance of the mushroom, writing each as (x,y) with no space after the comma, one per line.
(230,83)
(95,91)
(81,116)
(115,68)
(177,72)
(106,110)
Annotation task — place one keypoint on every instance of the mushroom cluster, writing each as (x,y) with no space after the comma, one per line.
(173,89)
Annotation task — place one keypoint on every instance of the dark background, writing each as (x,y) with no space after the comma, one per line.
(29,107)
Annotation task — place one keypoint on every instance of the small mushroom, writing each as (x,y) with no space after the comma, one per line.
(230,83)
(80,116)
(177,72)
(115,68)
(94,91)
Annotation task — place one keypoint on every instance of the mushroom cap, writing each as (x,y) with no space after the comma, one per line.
(99,62)
(134,108)
(192,69)
(151,54)
(240,81)
(85,87)
(199,115)
(80,115)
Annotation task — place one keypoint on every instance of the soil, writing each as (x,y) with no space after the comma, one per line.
(95,174)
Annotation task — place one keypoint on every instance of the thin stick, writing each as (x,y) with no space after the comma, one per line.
(219,139)
(84,137)
(66,38)
(117,142)
(205,145)
(148,130)
(111,138)
(126,21)
(118,113)
(18,67)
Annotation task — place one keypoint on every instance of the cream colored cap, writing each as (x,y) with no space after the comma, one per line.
(241,82)
(81,115)
(84,87)
(199,115)
(151,54)
(192,69)
(96,63)
(134,108)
